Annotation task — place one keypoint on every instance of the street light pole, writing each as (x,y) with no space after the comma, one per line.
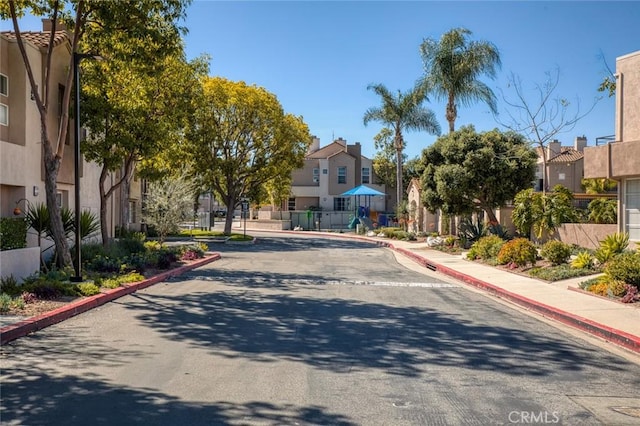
(77,57)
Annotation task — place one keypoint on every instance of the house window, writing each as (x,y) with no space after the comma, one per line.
(632,208)
(316,175)
(366,175)
(341,204)
(325,171)
(4,115)
(291,204)
(342,175)
(4,85)
(132,211)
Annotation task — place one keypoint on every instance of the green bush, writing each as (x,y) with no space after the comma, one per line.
(519,252)
(9,285)
(88,289)
(132,243)
(5,302)
(13,233)
(486,248)
(624,267)
(558,273)
(612,245)
(583,260)
(556,252)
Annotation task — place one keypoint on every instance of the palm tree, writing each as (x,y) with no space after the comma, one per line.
(400,112)
(452,67)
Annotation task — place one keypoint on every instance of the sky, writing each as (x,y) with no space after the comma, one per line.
(318,57)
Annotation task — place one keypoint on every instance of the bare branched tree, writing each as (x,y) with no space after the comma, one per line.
(543,116)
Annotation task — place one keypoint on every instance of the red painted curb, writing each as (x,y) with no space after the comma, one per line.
(621,338)
(30,325)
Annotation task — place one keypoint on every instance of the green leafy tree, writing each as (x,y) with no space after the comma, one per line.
(240,138)
(467,171)
(542,213)
(603,210)
(452,67)
(169,202)
(598,185)
(137,111)
(85,19)
(402,112)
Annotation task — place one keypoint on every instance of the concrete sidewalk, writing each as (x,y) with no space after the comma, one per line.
(562,301)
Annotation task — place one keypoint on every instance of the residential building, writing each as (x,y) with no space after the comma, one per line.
(565,165)
(420,219)
(619,157)
(21,158)
(330,171)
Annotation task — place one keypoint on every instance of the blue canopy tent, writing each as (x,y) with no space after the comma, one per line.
(362,211)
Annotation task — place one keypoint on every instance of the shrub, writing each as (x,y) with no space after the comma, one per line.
(558,273)
(600,288)
(471,231)
(152,245)
(613,244)
(624,267)
(9,285)
(88,289)
(583,260)
(556,252)
(632,294)
(499,230)
(486,248)
(110,283)
(104,264)
(5,302)
(133,243)
(13,233)
(518,252)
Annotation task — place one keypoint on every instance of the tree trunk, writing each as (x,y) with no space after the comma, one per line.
(124,204)
(230,202)
(399,142)
(52,166)
(451,113)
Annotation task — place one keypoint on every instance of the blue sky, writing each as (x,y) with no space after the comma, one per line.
(319,57)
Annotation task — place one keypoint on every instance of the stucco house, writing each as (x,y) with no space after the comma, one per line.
(21,159)
(619,158)
(565,165)
(330,171)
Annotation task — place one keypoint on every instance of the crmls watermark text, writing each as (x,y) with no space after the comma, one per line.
(532,417)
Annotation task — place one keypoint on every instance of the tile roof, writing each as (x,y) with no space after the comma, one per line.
(38,38)
(567,155)
(328,151)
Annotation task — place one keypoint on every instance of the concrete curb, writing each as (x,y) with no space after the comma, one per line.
(30,325)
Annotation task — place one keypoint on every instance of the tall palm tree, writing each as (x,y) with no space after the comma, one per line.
(400,112)
(452,67)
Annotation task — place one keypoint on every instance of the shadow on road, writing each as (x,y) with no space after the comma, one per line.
(345,335)
(36,398)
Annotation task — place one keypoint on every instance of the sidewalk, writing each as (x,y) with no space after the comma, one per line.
(615,322)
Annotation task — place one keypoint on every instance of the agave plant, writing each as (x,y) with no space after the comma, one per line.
(89,224)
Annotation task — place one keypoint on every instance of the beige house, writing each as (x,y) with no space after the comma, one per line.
(330,171)
(21,163)
(620,158)
(420,219)
(565,165)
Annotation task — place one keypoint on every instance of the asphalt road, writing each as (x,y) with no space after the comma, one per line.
(299,331)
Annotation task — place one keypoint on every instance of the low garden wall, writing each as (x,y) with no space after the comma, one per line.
(587,235)
(20,262)
(270,225)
